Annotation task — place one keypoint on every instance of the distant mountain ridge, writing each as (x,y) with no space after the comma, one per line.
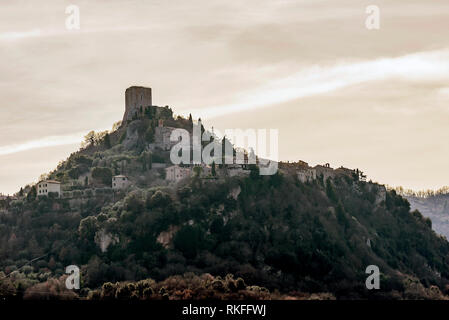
(435,207)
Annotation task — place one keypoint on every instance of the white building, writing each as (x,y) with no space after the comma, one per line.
(120,182)
(176,173)
(45,187)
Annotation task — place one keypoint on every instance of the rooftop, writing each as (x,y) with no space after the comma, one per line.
(50,181)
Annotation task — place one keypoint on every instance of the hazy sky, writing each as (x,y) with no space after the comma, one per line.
(377,100)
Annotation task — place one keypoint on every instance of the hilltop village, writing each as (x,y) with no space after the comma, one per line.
(122,211)
(136,154)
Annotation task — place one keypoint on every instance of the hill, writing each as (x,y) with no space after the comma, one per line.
(433,205)
(302,230)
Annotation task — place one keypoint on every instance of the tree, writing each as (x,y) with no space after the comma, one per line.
(104,175)
(254,173)
(116,125)
(122,167)
(149,134)
(88,228)
(330,190)
(7,288)
(197,171)
(89,139)
(214,173)
(107,141)
(93,138)
(188,240)
(32,194)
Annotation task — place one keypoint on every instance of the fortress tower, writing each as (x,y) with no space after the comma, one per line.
(137,99)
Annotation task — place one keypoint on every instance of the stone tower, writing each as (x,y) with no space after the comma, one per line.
(137,99)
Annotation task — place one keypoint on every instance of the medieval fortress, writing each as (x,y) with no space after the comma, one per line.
(137,100)
(139,106)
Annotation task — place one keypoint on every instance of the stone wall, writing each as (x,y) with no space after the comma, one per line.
(137,99)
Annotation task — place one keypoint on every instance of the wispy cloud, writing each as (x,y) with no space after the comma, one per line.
(50,141)
(421,66)
(35,33)
(20,35)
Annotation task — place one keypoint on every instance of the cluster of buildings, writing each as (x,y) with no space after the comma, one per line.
(53,187)
(175,173)
(138,102)
(162,137)
(305,173)
(4,197)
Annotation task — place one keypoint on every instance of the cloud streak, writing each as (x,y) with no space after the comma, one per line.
(423,66)
(419,67)
(39,33)
(20,35)
(50,141)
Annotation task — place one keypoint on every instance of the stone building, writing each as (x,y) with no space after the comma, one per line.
(236,170)
(306,174)
(46,187)
(162,136)
(345,171)
(120,182)
(176,173)
(137,100)
(326,171)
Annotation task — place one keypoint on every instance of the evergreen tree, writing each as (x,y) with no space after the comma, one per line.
(214,173)
(32,194)
(107,141)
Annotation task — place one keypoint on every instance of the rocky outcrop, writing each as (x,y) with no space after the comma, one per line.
(104,240)
(165,237)
(132,135)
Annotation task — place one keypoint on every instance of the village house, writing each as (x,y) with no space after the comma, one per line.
(300,168)
(46,187)
(120,182)
(162,136)
(326,171)
(345,171)
(293,165)
(236,170)
(176,173)
(306,174)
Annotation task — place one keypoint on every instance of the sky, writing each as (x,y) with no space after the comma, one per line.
(338,92)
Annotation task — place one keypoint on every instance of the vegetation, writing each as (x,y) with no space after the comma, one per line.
(285,238)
